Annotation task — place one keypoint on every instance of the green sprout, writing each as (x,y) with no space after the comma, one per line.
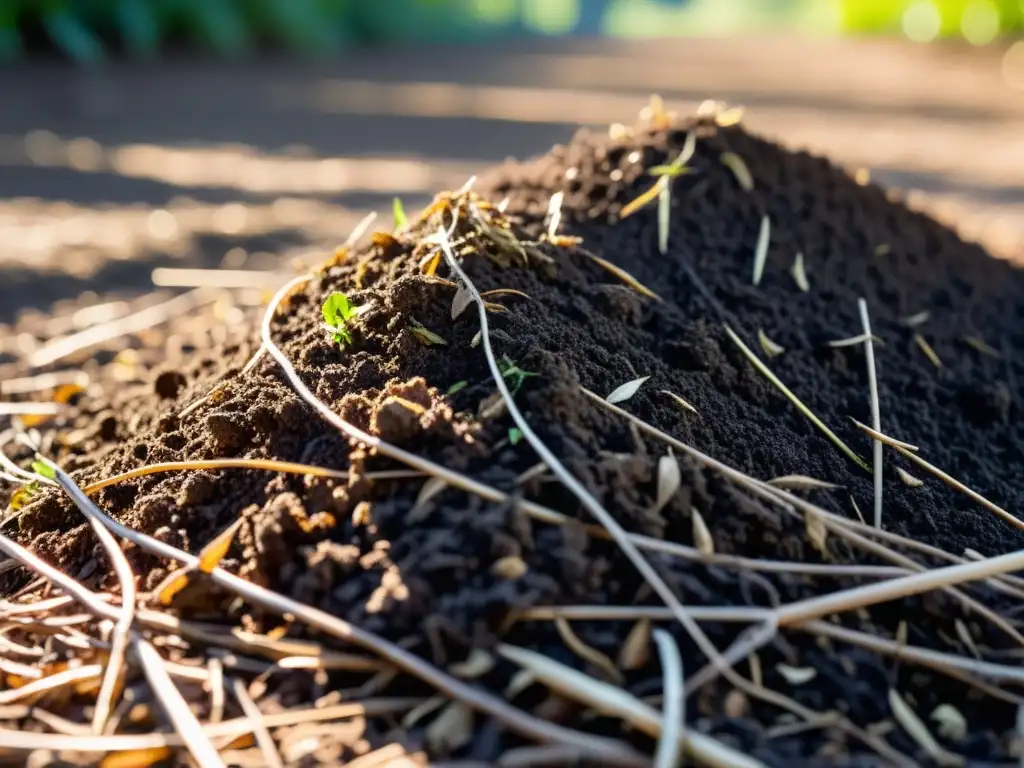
(400,218)
(513,373)
(44,469)
(337,312)
(514,435)
(458,386)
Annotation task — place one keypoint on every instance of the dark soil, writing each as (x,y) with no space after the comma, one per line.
(422,575)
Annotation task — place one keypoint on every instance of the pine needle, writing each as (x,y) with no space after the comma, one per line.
(680,401)
(623,275)
(927,349)
(767,373)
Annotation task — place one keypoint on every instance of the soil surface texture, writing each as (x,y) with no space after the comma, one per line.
(450,576)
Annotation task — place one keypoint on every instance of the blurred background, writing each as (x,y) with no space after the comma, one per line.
(142,135)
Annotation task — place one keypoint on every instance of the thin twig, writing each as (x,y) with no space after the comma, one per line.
(269,465)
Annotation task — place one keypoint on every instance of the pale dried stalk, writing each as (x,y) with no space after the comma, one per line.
(673,716)
(27,741)
(271,757)
(175,707)
(126,578)
(269,465)
(876,418)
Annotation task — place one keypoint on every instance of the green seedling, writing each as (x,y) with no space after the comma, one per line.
(513,373)
(44,469)
(514,435)
(458,386)
(337,312)
(399,210)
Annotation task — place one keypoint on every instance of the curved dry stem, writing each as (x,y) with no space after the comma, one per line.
(673,715)
(269,465)
(115,672)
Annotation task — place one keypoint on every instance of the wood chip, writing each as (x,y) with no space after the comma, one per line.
(817,532)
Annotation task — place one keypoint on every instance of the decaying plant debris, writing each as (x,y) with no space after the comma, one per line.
(344,546)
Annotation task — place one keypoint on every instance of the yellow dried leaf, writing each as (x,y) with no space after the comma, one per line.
(426,336)
(214,552)
(172,585)
(636,649)
(136,758)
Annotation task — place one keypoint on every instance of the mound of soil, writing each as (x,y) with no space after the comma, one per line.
(448,574)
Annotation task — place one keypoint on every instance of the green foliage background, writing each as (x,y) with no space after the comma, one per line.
(89,31)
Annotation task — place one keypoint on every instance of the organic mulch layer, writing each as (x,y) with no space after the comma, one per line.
(461,562)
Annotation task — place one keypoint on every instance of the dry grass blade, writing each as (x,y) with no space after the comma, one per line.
(927,349)
(592,505)
(269,465)
(769,347)
(761,249)
(460,302)
(853,341)
(271,757)
(26,741)
(876,418)
(623,275)
(673,717)
(913,321)
(51,683)
(799,273)
(30,409)
(767,373)
(175,707)
(618,703)
(140,321)
(954,483)
(625,391)
(211,555)
(168,277)
(554,216)
(669,480)
(679,401)
(980,346)
(114,676)
(739,169)
(918,731)
(586,652)
(890,441)
(802,483)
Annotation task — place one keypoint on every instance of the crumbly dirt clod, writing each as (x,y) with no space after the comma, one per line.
(447,574)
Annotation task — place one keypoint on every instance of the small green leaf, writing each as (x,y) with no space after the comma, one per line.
(400,217)
(513,373)
(669,170)
(427,336)
(44,469)
(514,435)
(458,386)
(337,309)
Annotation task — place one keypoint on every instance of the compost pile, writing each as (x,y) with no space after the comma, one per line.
(466,561)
